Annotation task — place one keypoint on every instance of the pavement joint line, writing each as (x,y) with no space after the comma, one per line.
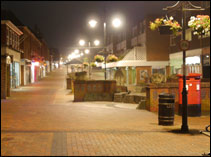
(87,131)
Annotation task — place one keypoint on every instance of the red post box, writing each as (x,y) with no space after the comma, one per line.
(193,87)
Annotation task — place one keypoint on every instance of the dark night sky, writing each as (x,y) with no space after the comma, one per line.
(63,23)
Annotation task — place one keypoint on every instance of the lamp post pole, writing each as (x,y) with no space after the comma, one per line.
(89,62)
(184,127)
(67,68)
(104,25)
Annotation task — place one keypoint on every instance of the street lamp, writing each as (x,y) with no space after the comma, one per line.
(92,23)
(76,51)
(82,42)
(87,51)
(184,127)
(97,42)
(116,23)
(69,57)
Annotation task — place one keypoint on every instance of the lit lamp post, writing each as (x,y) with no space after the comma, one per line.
(82,43)
(116,23)
(73,55)
(184,127)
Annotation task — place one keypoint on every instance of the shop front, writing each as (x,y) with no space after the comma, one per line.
(196,62)
(15,74)
(135,72)
(35,71)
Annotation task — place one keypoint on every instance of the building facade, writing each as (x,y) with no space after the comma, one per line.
(198,55)
(142,52)
(45,54)
(10,57)
(31,58)
(25,56)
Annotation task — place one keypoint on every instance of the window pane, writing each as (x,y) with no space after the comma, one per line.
(160,71)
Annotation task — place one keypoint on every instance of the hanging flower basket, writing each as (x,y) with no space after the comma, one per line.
(112,58)
(99,58)
(85,64)
(200,24)
(165,30)
(92,64)
(166,26)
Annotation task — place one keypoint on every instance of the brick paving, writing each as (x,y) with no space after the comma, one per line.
(41,120)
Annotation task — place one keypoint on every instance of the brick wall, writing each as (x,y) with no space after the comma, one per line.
(205,97)
(3,35)
(157,46)
(153,91)
(25,45)
(3,77)
(45,51)
(94,90)
(8,80)
(22,75)
(30,45)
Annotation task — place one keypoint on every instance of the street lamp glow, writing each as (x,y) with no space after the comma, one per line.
(69,57)
(86,51)
(92,23)
(82,42)
(96,42)
(116,22)
(76,51)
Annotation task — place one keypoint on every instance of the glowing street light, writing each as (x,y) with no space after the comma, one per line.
(92,23)
(82,42)
(86,51)
(96,42)
(116,22)
(76,51)
(69,57)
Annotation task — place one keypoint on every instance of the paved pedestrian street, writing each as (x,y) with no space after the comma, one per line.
(41,120)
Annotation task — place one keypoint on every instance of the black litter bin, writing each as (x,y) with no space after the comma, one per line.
(166,109)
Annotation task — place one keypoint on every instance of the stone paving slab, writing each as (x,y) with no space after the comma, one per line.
(25,144)
(132,144)
(103,143)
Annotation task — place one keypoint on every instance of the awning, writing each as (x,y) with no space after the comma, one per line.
(74,61)
(134,58)
(136,63)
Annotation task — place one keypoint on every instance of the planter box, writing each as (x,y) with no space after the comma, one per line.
(94,90)
(69,83)
(118,97)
